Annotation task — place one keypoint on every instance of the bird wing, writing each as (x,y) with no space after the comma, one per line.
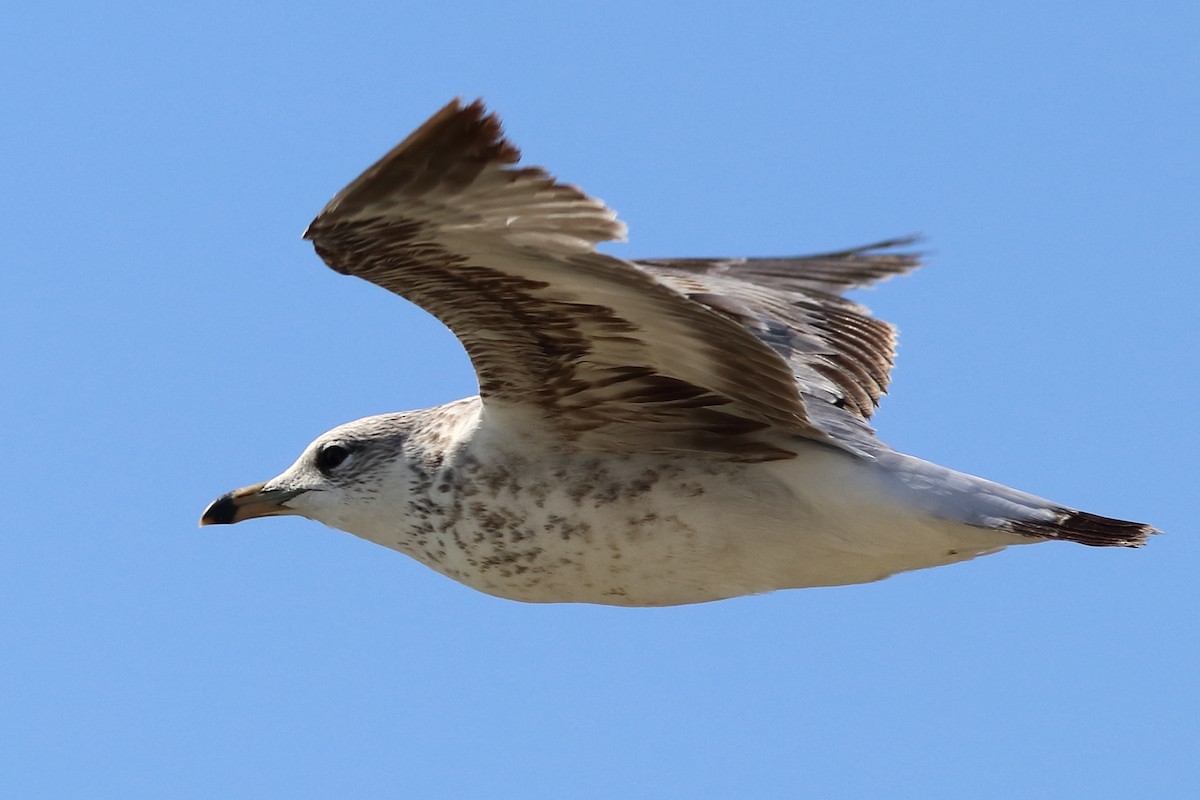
(841,357)
(603,353)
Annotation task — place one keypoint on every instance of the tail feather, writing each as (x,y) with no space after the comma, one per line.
(1090,529)
(981,503)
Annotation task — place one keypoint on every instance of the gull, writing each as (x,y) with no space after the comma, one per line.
(646,433)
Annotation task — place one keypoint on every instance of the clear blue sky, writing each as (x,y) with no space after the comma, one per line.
(167,336)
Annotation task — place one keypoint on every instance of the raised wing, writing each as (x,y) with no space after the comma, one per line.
(841,357)
(603,353)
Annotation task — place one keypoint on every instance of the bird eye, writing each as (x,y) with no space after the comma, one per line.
(331,456)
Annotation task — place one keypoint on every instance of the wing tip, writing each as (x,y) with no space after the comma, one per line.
(483,129)
(449,149)
(880,260)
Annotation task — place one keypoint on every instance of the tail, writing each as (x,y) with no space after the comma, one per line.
(981,503)
(1090,529)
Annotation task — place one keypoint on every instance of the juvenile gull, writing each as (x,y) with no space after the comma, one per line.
(646,433)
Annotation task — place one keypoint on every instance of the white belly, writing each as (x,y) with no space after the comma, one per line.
(650,530)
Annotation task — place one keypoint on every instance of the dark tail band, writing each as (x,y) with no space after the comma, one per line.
(1085,528)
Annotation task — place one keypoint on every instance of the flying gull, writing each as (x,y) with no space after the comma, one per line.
(646,433)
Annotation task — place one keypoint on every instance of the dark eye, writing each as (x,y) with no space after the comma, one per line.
(331,456)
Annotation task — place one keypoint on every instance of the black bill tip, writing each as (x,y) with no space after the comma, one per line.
(222,511)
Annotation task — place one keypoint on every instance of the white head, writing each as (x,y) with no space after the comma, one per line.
(339,480)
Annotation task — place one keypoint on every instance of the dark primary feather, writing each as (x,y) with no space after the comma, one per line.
(825,273)
(682,355)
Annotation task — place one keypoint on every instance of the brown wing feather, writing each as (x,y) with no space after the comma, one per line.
(825,273)
(840,355)
(606,356)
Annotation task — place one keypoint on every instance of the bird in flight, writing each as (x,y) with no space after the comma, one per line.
(646,433)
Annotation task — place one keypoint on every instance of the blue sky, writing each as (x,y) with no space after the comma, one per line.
(167,336)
